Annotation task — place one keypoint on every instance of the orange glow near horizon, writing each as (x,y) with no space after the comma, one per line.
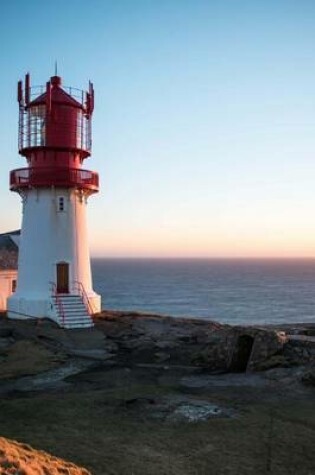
(192,245)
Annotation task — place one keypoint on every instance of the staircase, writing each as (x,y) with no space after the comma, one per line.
(72,311)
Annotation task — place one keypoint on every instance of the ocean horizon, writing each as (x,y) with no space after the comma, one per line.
(229,290)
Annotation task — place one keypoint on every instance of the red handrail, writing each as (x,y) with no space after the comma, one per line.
(85,298)
(55,294)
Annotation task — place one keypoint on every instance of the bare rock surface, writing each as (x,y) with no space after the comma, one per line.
(308,376)
(207,344)
(30,347)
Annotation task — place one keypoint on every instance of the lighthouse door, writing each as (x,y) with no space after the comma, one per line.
(63,278)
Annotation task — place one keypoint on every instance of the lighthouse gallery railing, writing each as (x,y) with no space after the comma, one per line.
(52,176)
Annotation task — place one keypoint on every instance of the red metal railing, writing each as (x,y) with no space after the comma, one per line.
(53,176)
(80,288)
(78,94)
(61,312)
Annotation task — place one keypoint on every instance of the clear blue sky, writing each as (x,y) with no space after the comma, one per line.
(204,128)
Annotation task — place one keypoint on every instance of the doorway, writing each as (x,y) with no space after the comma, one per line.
(62,278)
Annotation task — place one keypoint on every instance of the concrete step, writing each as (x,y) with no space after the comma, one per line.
(70,298)
(80,316)
(77,317)
(72,304)
(74,310)
(78,322)
(74,326)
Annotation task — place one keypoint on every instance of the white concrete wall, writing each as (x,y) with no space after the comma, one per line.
(6,279)
(49,236)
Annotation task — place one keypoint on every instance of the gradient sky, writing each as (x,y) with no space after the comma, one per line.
(204,128)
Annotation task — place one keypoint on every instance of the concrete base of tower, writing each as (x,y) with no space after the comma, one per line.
(22,308)
(67,310)
(94,302)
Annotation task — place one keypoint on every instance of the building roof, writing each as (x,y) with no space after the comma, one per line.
(9,250)
(58,95)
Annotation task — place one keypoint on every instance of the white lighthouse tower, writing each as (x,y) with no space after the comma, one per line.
(54,273)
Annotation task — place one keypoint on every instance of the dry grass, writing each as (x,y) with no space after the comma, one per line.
(26,357)
(95,429)
(21,459)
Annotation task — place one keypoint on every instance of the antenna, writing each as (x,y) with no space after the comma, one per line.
(56,68)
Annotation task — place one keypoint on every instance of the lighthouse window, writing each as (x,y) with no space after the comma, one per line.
(61,203)
(13,285)
(36,126)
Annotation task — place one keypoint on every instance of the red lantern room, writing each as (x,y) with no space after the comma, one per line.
(54,136)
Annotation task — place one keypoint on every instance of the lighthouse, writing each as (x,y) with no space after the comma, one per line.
(54,272)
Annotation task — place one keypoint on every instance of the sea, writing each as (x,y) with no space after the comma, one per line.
(234,291)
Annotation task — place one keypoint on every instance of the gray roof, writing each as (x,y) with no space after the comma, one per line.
(9,250)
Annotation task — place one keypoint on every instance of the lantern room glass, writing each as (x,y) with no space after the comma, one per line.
(36,126)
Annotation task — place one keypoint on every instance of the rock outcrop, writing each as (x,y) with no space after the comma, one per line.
(154,339)
(30,347)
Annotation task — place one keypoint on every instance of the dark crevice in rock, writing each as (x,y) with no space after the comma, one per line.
(241,354)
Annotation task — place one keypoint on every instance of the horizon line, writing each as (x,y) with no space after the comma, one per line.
(206,257)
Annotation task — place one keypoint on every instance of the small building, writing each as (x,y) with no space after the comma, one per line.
(9,249)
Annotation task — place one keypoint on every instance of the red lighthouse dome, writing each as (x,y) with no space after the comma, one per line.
(54,136)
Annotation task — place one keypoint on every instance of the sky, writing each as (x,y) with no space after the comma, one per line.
(204,123)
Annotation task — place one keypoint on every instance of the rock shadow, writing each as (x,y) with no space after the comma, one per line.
(241,354)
